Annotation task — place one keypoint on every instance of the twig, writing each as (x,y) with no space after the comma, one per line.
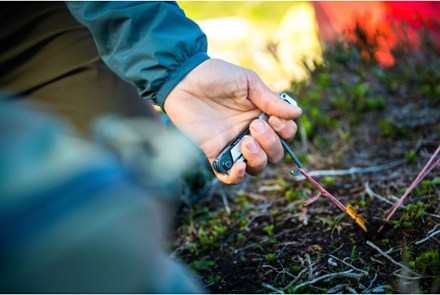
(309,265)
(428,237)
(389,257)
(263,240)
(391,250)
(272,288)
(353,170)
(283,271)
(254,196)
(288,243)
(377,261)
(348,264)
(406,277)
(431,234)
(331,276)
(371,193)
(435,227)
(226,204)
(430,214)
(331,262)
(381,289)
(351,290)
(367,290)
(296,279)
(337,289)
(270,266)
(251,220)
(279,272)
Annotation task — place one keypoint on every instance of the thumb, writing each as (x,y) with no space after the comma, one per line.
(268,101)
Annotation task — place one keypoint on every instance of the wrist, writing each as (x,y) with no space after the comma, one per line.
(177,75)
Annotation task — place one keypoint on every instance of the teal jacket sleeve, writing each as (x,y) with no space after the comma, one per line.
(151,45)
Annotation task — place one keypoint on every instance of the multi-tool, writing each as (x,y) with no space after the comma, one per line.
(232,154)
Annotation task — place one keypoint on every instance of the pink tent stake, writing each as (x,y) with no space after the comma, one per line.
(349,210)
(425,171)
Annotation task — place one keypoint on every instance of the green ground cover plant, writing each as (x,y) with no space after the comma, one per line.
(258,237)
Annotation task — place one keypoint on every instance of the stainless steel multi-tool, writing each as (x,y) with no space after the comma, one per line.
(232,154)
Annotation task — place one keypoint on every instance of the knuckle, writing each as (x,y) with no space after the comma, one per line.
(276,158)
(275,150)
(257,163)
(294,128)
(271,141)
(289,131)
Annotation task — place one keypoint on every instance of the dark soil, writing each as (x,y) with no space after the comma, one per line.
(259,237)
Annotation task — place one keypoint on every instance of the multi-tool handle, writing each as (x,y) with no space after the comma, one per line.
(232,153)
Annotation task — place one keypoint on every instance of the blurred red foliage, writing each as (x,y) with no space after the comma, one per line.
(381,17)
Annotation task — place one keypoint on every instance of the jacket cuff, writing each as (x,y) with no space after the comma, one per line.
(175,77)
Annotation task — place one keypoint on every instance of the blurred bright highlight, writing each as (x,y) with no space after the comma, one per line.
(275,38)
(271,38)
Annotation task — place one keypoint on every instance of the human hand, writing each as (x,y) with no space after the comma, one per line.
(217,100)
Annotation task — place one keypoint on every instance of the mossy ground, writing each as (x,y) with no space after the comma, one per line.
(260,238)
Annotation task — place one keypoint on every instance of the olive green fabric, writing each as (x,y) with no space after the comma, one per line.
(47,57)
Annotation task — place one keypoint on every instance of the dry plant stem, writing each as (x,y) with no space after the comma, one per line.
(337,289)
(371,193)
(252,245)
(397,274)
(367,290)
(351,290)
(279,272)
(310,267)
(346,274)
(348,264)
(296,279)
(226,204)
(431,234)
(353,170)
(426,169)
(272,288)
(428,237)
(390,258)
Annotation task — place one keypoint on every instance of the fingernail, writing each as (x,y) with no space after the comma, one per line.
(251,146)
(259,127)
(276,123)
(242,172)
